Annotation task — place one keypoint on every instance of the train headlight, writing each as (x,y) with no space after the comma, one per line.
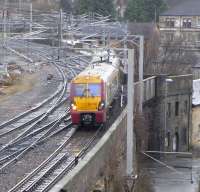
(74,107)
(101,105)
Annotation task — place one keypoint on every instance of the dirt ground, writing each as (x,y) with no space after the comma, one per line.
(29,90)
(25,83)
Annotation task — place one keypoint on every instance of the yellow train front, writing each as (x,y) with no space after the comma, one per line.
(92,92)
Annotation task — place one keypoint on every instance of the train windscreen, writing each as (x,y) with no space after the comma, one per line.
(87,90)
(94,89)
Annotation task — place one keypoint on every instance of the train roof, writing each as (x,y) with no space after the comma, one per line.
(101,70)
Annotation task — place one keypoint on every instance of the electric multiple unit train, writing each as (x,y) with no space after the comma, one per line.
(92,93)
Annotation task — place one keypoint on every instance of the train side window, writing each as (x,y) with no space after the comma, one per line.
(108,92)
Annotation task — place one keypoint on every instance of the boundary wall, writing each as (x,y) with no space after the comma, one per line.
(98,162)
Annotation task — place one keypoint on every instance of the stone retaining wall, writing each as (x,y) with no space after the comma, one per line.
(102,161)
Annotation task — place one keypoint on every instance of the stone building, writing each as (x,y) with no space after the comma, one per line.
(172,113)
(195,113)
(181,22)
(196,71)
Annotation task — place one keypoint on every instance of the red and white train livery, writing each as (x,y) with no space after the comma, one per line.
(92,92)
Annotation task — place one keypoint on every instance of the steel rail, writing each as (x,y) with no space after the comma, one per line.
(67,166)
(49,159)
(65,161)
(31,145)
(38,106)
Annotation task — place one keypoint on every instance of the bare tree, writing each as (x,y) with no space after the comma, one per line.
(173,59)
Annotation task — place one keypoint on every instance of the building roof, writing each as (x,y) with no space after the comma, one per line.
(182,8)
(172,3)
(196,92)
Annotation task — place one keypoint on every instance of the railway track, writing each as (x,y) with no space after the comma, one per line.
(40,112)
(39,123)
(33,126)
(24,143)
(34,134)
(43,121)
(74,64)
(27,117)
(33,116)
(74,147)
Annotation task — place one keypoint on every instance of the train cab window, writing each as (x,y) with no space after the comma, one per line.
(87,90)
(79,89)
(94,89)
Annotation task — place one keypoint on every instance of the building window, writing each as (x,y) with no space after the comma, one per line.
(191,38)
(169,109)
(184,136)
(175,142)
(184,36)
(100,42)
(168,139)
(170,22)
(198,37)
(198,21)
(176,108)
(199,131)
(169,36)
(187,23)
(185,107)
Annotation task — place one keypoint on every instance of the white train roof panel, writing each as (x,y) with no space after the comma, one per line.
(104,70)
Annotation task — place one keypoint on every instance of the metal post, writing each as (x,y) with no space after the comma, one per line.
(141,63)
(125,69)
(131,144)
(31,17)
(61,25)
(5,15)
(104,36)
(108,43)
(155,15)
(166,142)
(130,106)
(20,6)
(165,116)
(4,25)
(60,34)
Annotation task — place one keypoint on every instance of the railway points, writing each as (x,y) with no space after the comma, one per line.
(33,135)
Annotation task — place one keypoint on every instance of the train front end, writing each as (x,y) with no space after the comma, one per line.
(87,100)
